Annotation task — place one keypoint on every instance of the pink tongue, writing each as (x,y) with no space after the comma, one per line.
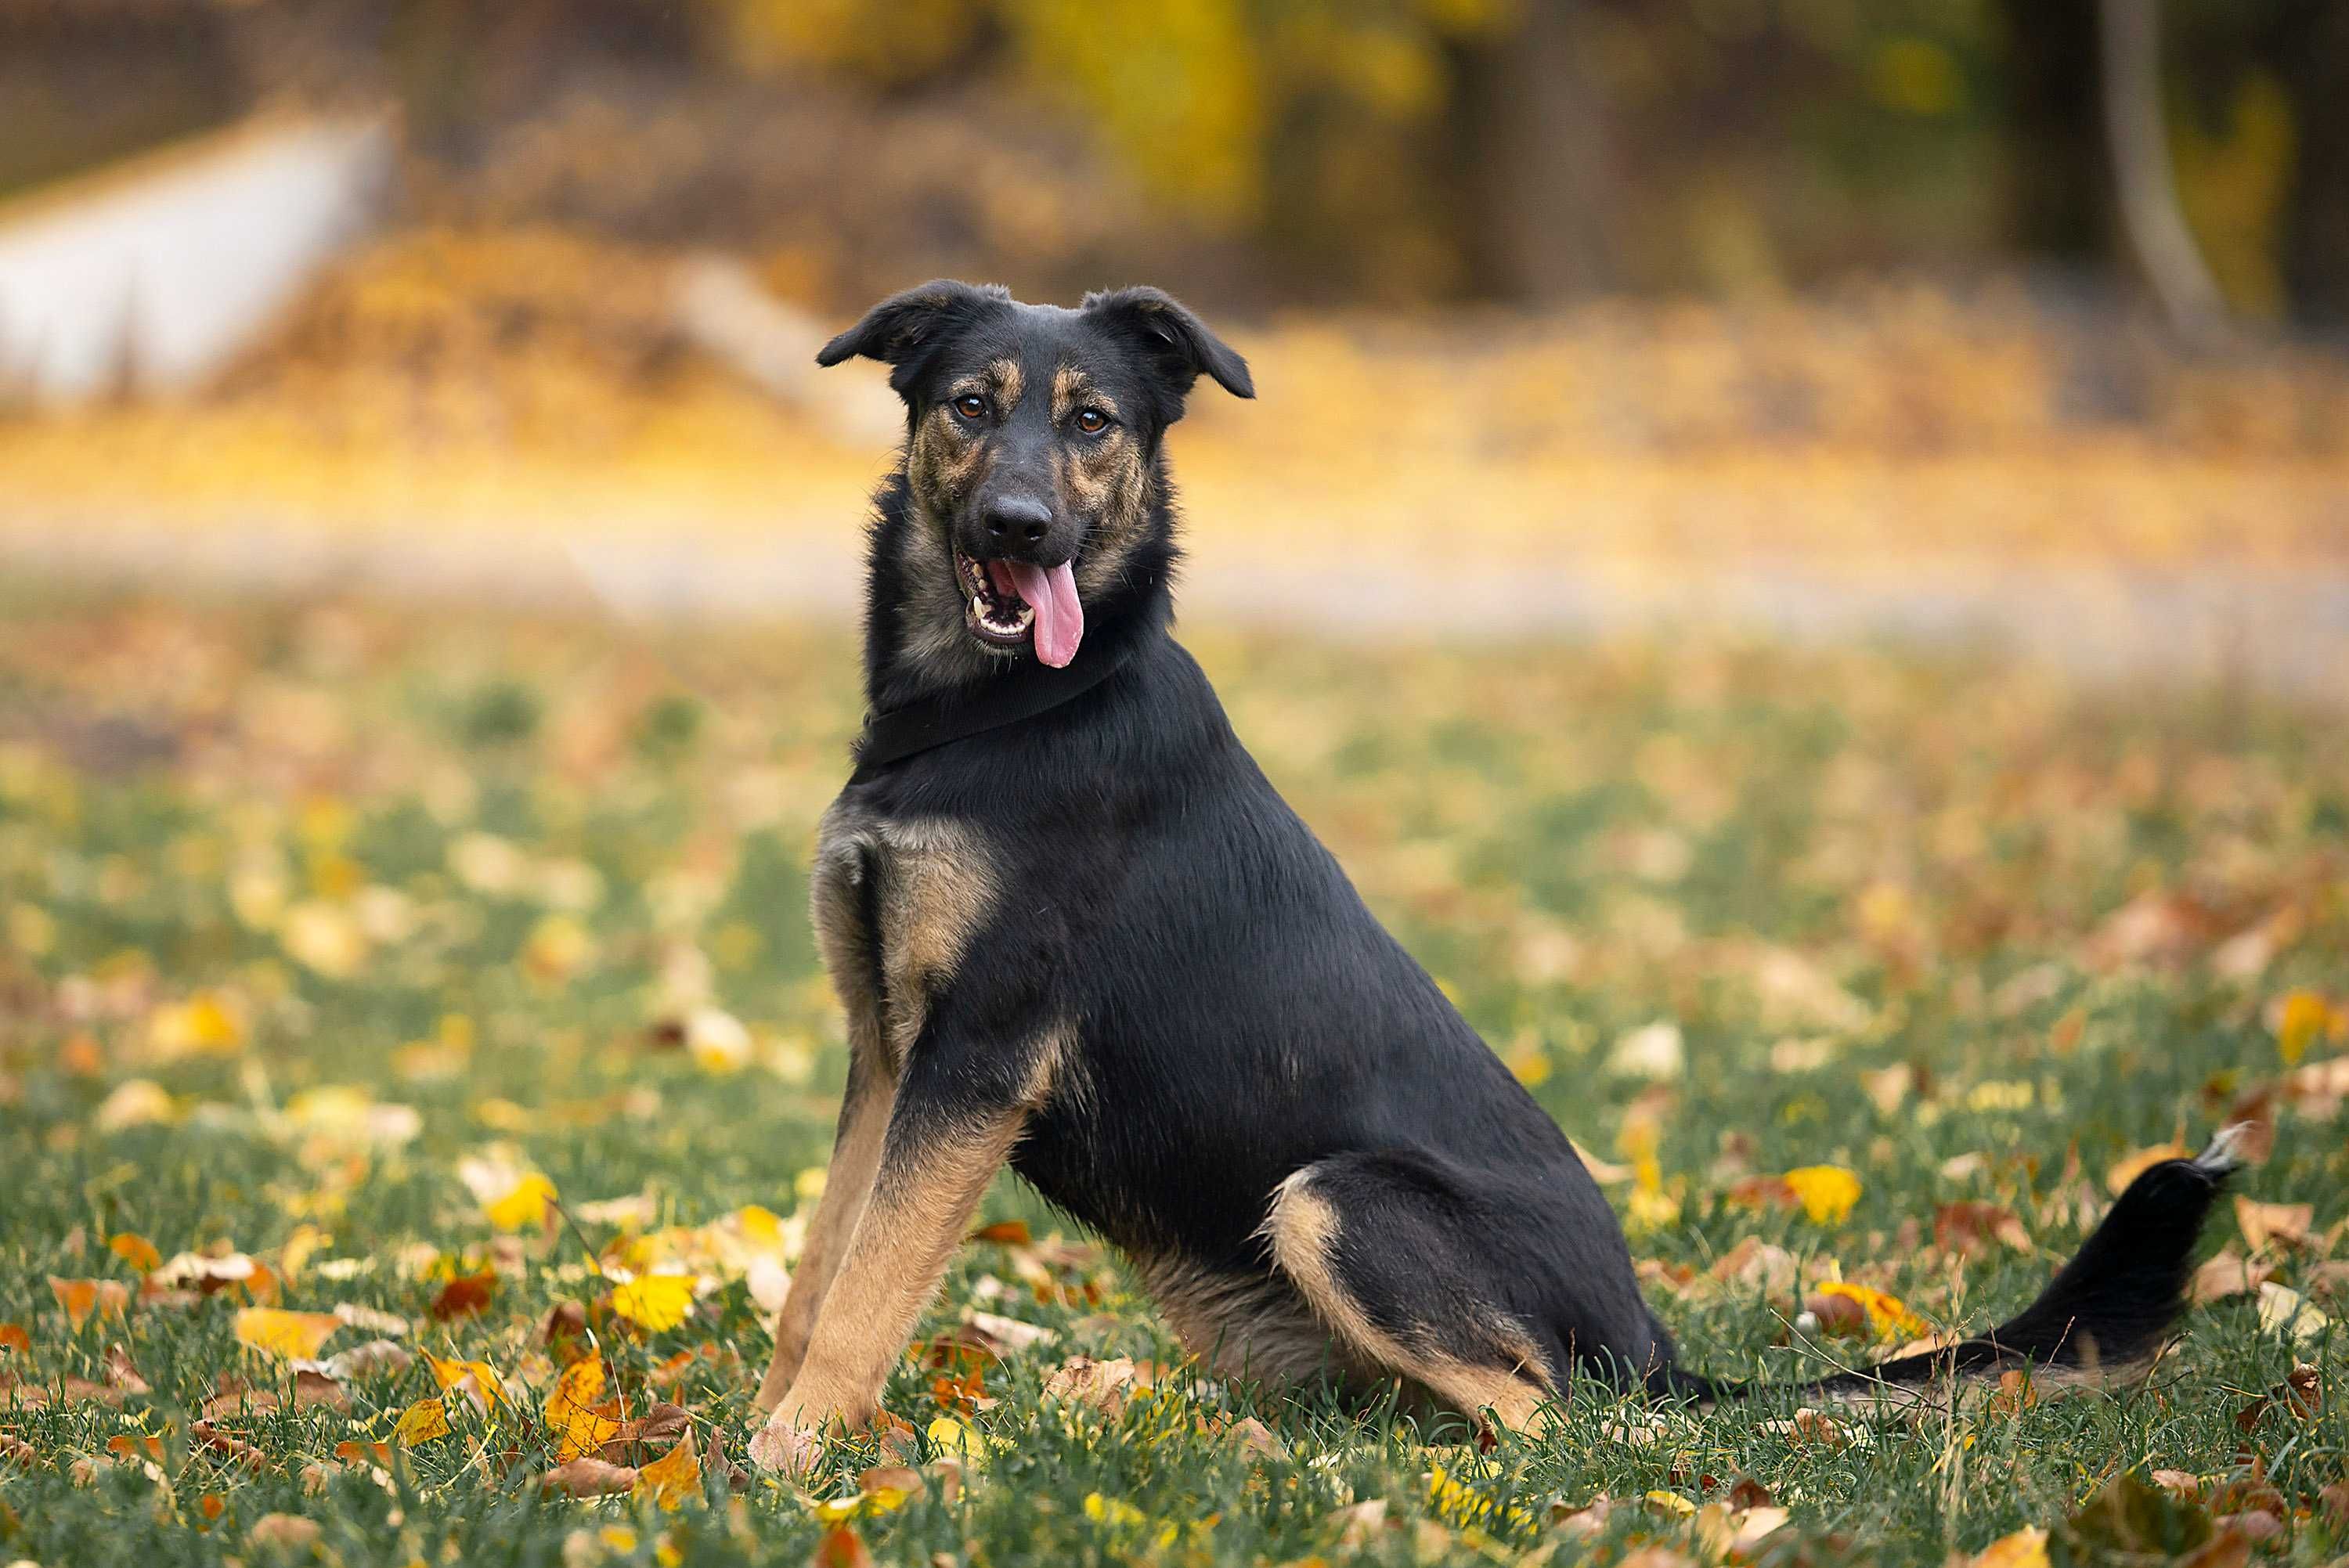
(1051,592)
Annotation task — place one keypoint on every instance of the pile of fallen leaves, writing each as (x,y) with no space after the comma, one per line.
(416,1074)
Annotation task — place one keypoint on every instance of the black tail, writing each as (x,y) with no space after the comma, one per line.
(2105,1313)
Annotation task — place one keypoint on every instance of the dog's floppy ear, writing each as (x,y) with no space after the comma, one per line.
(1178,343)
(902,329)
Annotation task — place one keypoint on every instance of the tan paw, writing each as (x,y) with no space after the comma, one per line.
(783,1446)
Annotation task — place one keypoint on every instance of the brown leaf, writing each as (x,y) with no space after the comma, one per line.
(464,1295)
(1839,1316)
(1083,1380)
(1974,1228)
(212,1439)
(2229,1273)
(2261,1224)
(1746,1492)
(1004,1233)
(587,1476)
(284,1531)
(2184,1484)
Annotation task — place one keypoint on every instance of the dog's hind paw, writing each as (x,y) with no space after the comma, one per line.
(783,1446)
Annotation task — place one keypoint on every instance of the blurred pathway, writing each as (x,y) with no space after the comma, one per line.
(2283,629)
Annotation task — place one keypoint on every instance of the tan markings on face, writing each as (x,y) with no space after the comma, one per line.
(1109,483)
(1303,1230)
(936,885)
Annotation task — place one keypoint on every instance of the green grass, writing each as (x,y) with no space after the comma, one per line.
(465,864)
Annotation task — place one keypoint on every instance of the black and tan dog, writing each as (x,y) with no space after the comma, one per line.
(1074,929)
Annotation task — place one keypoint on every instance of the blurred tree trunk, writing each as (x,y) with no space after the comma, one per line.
(2157,231)
(2312,56)
(2059,185)
(1534,146)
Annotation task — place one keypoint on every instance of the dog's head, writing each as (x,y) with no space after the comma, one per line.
(1031,453)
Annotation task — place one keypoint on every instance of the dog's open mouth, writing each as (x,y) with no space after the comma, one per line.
(1006,601)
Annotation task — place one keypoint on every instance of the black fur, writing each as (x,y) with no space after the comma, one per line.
(1238,1015)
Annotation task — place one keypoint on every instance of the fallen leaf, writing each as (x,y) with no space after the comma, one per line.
(1888,1315)
(14,1338)
(135,1250)
(290,1335)
(675,1476)
(1826,1192)
(1972,1227)
(363,1360)
(1007,1335)
(2027,1548)
(284,1531)
(2263,1222)
(2137,1162)
(213,1441)
(1083,1380)
(2283,1311)
(2227,1274)
(476,1380)
(420,1423)
(576,1411)
(464,1295)
(82,1297)
(1004,1233)
(841,1547)
(654,1302)
(584,1475)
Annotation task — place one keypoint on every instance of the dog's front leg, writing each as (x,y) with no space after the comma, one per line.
(847,1184)
(946,1137)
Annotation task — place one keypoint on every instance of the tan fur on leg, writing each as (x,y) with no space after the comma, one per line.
(847,1186)
(920,1207)
(1303,1230)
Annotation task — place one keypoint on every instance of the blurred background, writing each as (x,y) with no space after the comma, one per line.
(1984,317)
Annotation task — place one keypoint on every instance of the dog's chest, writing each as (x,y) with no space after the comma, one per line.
(897,901)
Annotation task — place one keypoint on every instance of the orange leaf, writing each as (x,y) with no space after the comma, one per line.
(576,1413)
(841,1547)
(289,1336)
(464,1295)
(14,1338)
(137,1250)
(1007,1233)
(672,1478)
(81,1297)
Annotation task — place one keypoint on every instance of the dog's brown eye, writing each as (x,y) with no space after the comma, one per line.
(971,405)
(1091,421)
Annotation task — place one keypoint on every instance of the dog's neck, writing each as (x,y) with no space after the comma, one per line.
(915,642)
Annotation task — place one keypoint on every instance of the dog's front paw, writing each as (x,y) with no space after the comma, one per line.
(785,1447)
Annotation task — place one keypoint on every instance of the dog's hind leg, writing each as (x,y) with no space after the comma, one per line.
(1389,1267)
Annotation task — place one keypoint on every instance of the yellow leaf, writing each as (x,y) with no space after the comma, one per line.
(1888,1315)
(1825,1192)
(420,1423)
(1670,1502)
(526,1207)
(574,1410)
(762,1228)
(293,1335)
(2138,1163)
(670,1480)
(655,1302)
(1114,1511)
(2027,1548)
(2305,1017)
(450,1374)
(949,1436)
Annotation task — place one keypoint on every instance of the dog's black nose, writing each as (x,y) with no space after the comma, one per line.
(1017,520)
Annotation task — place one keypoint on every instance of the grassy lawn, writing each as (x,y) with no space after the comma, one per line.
(336,942)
